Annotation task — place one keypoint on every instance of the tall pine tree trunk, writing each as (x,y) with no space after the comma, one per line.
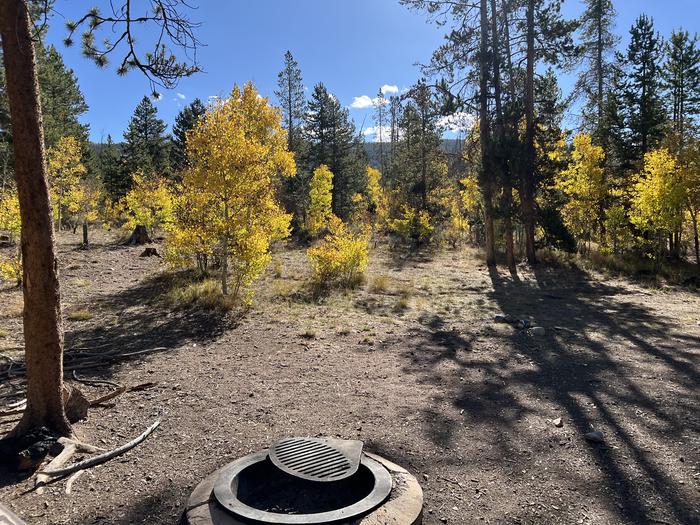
(43,327)
(500,160)
(528,183)
(484,139)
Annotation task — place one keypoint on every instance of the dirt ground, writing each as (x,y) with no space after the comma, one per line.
(413,364)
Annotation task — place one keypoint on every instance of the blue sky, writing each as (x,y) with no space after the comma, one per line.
(353,46)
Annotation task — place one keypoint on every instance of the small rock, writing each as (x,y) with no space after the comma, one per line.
(425,477)
(558,422)
(500,318)
(594,437)
(444,520)
(537,330)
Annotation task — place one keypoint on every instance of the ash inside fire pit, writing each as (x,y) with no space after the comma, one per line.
(263,486)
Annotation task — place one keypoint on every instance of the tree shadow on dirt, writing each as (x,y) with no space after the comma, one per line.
(144,322)
(587,365)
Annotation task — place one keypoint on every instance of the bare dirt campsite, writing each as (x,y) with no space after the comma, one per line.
(490,418)
(368,262)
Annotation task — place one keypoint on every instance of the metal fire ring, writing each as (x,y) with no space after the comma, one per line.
(226,487)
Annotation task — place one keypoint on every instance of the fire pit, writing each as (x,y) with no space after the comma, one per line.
(308,481)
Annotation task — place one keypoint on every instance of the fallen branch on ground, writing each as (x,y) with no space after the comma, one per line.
(94,381)
(78,361)
(102,458)
(119,391)
(60,460)
(82,447)
(73,479)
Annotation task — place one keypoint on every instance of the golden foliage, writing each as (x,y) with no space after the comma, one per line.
(378,203)
(65,169)
(320,210)
(149,203)
(412,225)
(341,258)
(11,225)
(658,193)
(583,183)
(237,153)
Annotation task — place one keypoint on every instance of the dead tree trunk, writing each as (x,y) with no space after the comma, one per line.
(43,327)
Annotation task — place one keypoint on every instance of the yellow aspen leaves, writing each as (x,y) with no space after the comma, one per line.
(149,203)
(65,169)
(320,212)
(237,153)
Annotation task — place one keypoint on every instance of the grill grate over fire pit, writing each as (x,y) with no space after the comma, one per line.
(317,459)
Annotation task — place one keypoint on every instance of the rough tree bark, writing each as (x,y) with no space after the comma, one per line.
(528,183)
(696,238)
(484,139)
(43,326)
(507,193)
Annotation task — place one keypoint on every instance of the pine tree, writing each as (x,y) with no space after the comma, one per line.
(682,79)
(643,91)
(145,147)
(61,103)
(420,162)
(115,180)
(290,94)
(331,141)
(61,99)
(185,121)
(380,112)
(597,44)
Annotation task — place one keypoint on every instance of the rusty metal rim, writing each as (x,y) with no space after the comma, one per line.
(226,485)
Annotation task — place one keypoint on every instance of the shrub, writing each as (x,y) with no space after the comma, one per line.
(341,257)
(413,226)
(11,268)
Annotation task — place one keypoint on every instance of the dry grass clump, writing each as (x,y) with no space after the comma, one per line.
(13,309)
(81,314)
(632,265)
(4,333)
(205,293)
(379,284)
(403,302)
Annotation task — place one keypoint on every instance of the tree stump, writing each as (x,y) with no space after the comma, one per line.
(139,236)
(150,252)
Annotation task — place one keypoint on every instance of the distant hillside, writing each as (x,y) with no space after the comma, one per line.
(453,147)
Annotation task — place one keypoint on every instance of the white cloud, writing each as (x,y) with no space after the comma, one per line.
(362,102)
(459,122)
(389,89)
(365,102)
(181,96)
(372,134)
